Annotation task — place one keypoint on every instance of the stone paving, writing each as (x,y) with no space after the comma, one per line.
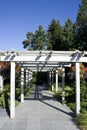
(40,111)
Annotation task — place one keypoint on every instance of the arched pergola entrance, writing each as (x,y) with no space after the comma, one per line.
(42,61)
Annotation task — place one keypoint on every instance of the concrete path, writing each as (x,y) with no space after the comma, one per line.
(40,112)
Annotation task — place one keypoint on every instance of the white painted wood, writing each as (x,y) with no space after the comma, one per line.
(56,80)
(35,58)
(43,56)
(1,83)
(63,83)
(29,78)
(52,81)
(12,91)
(26,78)
(50,74)
(22,85)
(77,88)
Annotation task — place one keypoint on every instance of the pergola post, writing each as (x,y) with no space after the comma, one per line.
(56,80)
(50,77)
(47,77)
(63,84)
(22,85)
(52,81)
(77,88)
(30,77)
(12,91)
(26,78)
(1,83)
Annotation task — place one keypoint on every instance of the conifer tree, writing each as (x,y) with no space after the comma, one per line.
(81,26)
(69,35)
(55,35)
(35,41)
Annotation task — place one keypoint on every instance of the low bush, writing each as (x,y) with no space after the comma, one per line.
(82,120)
(57,95)
(5,95)
(49,87)
(72,106)
(17,93)
(83,106)
(2,102)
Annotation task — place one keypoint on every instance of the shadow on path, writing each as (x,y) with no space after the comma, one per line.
(41,94)
(7,104)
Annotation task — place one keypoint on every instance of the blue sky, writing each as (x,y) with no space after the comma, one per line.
(17,17)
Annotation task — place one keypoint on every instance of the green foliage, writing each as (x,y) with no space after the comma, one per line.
(68,90)
(55,35)
(49,87)
(37,40)
(16,103)
(83,106)
(18,80)
(2,103)
(69,35)
(58,94)
(69,94)
(54,88)
(82,120)
(5,95)
(81,26)
(29,43)
(83,90)
(72,106)
(27,91)
(17,93)
(34,77)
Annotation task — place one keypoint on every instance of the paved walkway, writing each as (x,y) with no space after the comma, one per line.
(40,112)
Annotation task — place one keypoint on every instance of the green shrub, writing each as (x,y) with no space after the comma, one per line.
(27,91)
(83,91)
(16,103)
(49,87)
(82,120)
(68,90)
(2,102)
(5,96)
(57,95)
(17,93)
(83,106)
(72,106)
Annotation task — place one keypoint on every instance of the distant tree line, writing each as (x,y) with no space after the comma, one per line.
(71,36)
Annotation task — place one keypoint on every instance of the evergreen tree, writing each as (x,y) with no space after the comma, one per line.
(81,26)
(29,43)
(35,41)
(55,36)
(40,39)
(69,35)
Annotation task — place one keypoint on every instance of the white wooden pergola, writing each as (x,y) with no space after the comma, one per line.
(42,61)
